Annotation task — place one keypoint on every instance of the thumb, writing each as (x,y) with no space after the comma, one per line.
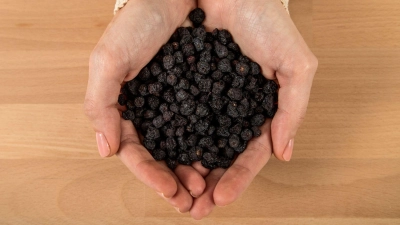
(106,74)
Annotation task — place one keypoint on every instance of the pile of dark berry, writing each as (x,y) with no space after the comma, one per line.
(199,99)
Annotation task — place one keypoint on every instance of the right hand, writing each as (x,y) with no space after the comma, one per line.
(130,41)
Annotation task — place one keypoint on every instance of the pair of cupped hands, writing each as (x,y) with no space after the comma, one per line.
(264,32)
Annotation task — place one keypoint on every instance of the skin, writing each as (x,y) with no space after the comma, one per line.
(119,55)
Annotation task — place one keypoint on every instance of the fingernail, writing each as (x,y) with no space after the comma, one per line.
(162,195)
(177,209)
(287,154)
(102,145)
(191,193)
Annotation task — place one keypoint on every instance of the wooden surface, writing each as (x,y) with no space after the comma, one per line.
(346,163)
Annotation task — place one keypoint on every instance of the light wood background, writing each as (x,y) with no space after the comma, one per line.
(346,164)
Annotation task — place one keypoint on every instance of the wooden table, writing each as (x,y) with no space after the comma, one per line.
(346,164)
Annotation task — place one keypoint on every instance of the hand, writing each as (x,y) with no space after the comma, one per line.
(267,35)
(133,37)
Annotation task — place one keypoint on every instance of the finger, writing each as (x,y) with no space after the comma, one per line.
(247,165)
(201,169)
(142,165)
(295,76)
(191,180)
(203,205)
(182,200)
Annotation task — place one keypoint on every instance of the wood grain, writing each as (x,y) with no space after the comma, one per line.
(346,164)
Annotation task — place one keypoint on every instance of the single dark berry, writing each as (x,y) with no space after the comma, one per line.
(180,131)
(206,142)
(188,49)
(195,153)
(242,69)
(203,67)
(168,61)
(224,65)
(191,59)
(234,47)
(149,144)
(168,49)
(169,131)
(201,126)
(231,109)
(139,112)
(236,129)
(192,140)
(197,17)
(167,116)
(133,86)
(270,87)
(224,37)
(158,154)
(182,146)
(234,141)
(144,74)
(254,68)
(200,32)
(241,147)
(224,121)
(153,102)
(217,75)
(158,121)
(194,90)
(163,107)
(128,115)
(171,163)
(155,69)
(155,88)
(202,110)
(198,44)
(246,134)
(172,79)
(183,84)
(149,114)
(205,56)
(181,95)
(178,55)
(223,131)
(179,121)
(152,133)
(220,50)
(187,107)
(235,94)
(184,159)
(222,142)
(186,39)
(143,90)
(205,85)
(244,59)
(257,120)
(170,143)
(209,160)
(223,162)
(213,150)
(211,130)
(218,87)
(169,96)
(174,108)
(228,152)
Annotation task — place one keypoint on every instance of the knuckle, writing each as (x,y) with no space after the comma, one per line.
(90,108)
